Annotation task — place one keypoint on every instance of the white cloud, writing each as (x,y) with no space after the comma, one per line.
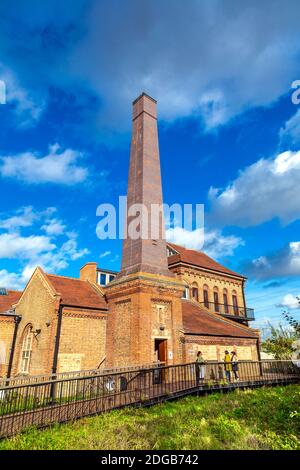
(290,301)
(24,218)
(70,249)
(53,227)
(290,132)
(106,253)
(219,246)
(13,245)
(214,109)
(266,189)
(201,58)
(11,280)
(283,263)
(58,166)
(29,251)
(193,239)
(198,58)
(213,242)
(28,105)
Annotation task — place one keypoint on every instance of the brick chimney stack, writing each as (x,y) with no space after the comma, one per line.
(144,187)
(145,293)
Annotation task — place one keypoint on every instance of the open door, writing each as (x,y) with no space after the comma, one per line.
(161,350)
(160,346)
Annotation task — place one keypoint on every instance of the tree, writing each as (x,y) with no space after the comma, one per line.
(281,342)
(295,324)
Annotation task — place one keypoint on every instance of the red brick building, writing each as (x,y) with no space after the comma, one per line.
(166,303)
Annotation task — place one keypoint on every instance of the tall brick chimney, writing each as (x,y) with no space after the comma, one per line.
(145,313)
(144,187)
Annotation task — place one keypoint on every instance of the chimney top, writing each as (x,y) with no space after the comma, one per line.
(144,104)
(141,96)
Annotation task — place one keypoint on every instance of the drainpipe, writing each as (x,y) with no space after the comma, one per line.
(57,339)
(17,320)
(243,286)
(55,354)
(259,356)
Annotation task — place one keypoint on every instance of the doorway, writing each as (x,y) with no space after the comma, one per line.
(160,347)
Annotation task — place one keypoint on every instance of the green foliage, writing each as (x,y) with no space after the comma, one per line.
(263,418)
(280,343)
(295,324)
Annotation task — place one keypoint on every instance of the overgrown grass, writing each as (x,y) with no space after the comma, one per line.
(265,418)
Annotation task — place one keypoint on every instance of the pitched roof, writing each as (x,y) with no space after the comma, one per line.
(77,292)
(198,320)
(198,258)
(6,301)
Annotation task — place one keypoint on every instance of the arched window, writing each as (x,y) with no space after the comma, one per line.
(205,296)
(216,300)
(26,350)
(225,301)
(195,294)
(235,303)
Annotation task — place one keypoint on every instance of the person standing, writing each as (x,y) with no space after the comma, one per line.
(235,366)
(227,365)
(200,367)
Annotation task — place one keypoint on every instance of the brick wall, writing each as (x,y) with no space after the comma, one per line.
(37,307)
(7,326)
(82,340)
(201,278)
(133,322)
(213,347)
(88,272)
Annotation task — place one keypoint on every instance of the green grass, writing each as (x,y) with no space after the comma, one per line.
(264,418)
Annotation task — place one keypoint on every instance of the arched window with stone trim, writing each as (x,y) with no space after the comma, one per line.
(235,303)
(205,296)
(26,352)
(225,300)
(195,291)
(216,300)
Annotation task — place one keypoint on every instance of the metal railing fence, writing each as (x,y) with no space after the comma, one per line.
(65,399)
(230,311)
(21,379)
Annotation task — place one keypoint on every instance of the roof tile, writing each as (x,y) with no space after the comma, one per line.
(6,301)
(77,292)
(198,258)
(197,320)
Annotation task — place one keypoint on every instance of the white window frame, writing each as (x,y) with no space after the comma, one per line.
(26,352)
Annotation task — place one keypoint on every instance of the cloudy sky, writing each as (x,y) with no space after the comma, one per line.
(222,73)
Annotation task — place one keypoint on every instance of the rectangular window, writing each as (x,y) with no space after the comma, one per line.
(26,352)
(205,298)
(195,293)
(216,302)
(235,305)
(103,279)
(186,293)
(226,309)
(25,361)
(111,277)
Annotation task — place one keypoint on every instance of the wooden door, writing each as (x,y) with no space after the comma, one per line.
(162,350)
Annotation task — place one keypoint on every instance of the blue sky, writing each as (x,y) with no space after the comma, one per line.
(229,132)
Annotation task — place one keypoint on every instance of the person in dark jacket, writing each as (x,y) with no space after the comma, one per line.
(235,365)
